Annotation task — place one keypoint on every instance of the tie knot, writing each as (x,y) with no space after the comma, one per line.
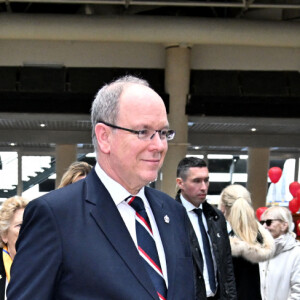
(136,203)
(198,211)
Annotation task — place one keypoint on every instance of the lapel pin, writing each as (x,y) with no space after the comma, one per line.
(167,219)
(0,276)
(218,235)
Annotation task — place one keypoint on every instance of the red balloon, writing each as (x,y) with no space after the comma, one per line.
(275,174)
(260,211)
(293,205)
(298,196)
(294,187)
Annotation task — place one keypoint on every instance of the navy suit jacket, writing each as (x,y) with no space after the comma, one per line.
(74,245)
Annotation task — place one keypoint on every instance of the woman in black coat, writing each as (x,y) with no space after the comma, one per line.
(250,242)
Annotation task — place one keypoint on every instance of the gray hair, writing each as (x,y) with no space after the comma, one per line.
(283,214)
(105,106)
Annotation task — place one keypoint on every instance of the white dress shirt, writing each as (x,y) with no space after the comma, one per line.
(194,220)
(119,194)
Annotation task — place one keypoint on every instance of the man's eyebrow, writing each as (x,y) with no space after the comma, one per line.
(201,178)
(145,126)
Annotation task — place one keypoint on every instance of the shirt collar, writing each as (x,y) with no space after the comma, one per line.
(116,190)
(188,205)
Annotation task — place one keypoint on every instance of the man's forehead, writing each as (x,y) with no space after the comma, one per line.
(145,105)
(137,91)
(200,172)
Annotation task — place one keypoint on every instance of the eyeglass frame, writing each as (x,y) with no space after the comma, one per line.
(138,132)
(270,221)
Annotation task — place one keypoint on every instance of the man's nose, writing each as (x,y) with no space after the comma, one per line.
(203,185)
(159,143)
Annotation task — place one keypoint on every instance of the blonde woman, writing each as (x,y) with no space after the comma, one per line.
(76,171)
(250,242)
(280,276)
(11,216)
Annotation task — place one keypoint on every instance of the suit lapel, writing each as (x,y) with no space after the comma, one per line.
(197,255)
(166,234)
(109,220)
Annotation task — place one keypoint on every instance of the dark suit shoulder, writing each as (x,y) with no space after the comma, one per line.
(164,198)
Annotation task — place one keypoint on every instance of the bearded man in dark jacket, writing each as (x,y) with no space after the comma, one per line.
(213,269)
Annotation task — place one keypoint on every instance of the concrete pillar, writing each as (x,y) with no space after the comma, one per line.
(65,155)
(177,82)
(257,169)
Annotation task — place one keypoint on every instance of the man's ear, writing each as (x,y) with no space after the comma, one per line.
(103,133)
(179,182)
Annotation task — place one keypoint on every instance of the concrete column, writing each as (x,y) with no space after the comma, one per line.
(177,82)
(257,168)
(65,155)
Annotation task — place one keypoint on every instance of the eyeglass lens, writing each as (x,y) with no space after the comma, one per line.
(163,134)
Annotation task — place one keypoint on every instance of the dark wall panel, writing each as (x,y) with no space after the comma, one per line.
(266,107)
(214,83)
(42,79)
(212,92)
(294,83)
(88,80)
(91,79)
(258,83)
(8,78)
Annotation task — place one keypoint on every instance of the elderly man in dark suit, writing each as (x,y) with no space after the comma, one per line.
(109,236)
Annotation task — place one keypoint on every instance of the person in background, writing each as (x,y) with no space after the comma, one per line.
(213,270)
(76,171)
(110,236)
(280,276)
(11,217)
(250,242)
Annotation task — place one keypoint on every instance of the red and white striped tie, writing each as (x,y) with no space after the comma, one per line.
(147,247)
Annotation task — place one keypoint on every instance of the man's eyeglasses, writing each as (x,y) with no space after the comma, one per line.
(146,134)
(268,222)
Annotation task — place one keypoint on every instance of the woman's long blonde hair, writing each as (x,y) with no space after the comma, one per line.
(236,201)
(75,170)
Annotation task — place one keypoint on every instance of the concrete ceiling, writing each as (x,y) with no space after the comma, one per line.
(206,134)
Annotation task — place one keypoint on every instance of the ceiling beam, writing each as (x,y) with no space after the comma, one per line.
(168,30)
(46,136)
(244,140)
